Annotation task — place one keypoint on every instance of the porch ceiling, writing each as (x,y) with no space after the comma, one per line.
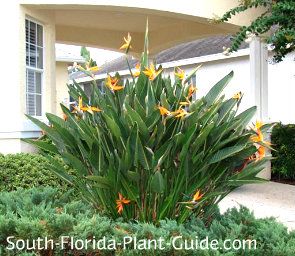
(100,25)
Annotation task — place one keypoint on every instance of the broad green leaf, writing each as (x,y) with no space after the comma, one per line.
(157,183)
(114,128)
(225,153)
(193,72)
(42,145)
(100,181)
(135,117)
(217,89)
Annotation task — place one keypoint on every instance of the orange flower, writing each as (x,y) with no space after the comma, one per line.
(151,72)
(237,96)
(197,196)
(64,117)
(120,203)
(258,137)
(80,107)
(261,152)
(112,83)
(184,103)
(191,90)
(179,113)
(258,124)
(164,111)
(91,109)
(137,70)
(127,43)
(92,69)
(179,73)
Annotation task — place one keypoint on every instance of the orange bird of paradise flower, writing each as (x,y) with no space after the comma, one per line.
(258,137)
(137,70)
(184,103)
(127,43)
(164,111)
(151,72)
(237,96)
(180,113)
(197,196)
(64,117)
(82,108)
(112,83)
(191,90)
(121,202)
(261,152)
(179,73)
(93,69)
(92,109)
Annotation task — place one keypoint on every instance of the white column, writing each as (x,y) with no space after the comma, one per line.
(259,88)
(259,77)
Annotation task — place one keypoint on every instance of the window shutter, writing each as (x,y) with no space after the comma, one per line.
(34,68)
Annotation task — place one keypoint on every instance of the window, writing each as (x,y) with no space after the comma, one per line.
(34,68)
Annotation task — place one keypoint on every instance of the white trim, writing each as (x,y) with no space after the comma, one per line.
(177,63)
(22,129)
(205,58)
(69,59)
(20,135)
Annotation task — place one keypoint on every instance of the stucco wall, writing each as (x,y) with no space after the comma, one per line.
(14,124)
(62,95)
(46,18)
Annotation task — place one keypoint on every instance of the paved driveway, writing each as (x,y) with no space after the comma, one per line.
(265,200)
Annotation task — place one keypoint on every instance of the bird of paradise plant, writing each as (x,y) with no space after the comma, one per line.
(153,145)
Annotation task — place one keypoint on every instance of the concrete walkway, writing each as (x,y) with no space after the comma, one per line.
(265,200)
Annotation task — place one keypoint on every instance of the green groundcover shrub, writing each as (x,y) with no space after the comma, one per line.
(27,171)
(42,212)
(283,140)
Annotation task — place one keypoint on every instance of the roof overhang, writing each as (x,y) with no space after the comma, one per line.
(101,23)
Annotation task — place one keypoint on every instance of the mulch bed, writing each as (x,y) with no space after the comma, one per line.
(290,182)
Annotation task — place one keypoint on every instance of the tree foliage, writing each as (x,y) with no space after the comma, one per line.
(278,19)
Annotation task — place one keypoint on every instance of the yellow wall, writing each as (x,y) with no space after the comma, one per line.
(62,95)
(82,22)
(14,125)
(46,18)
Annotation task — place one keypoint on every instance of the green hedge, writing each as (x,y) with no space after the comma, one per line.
(26,171)
(283,140)
(28,214)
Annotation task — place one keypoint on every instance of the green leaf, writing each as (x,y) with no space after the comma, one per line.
(135,117)
(42,145)
(134,176)
(73,161)
(217,89)
(225,153)
(114,128)
(187,142)
(193,72)
(100,181)
(58,169)
(157,183)
(140,153)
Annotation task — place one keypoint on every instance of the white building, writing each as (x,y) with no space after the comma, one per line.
(279,102)
(32,83)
